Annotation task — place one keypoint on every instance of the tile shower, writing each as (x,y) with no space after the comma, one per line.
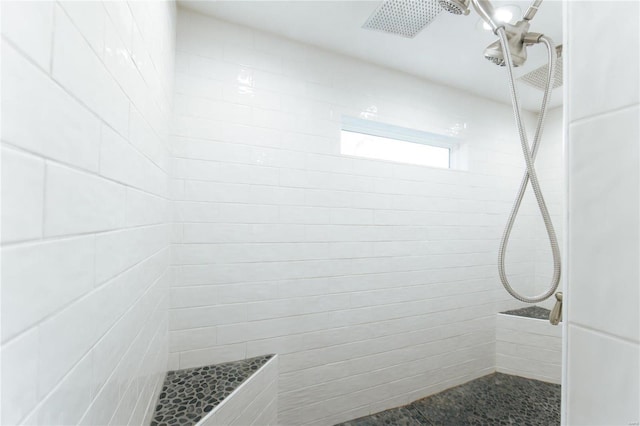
(174,197)
(354,271)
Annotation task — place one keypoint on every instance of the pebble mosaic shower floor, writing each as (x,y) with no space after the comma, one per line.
(496,399)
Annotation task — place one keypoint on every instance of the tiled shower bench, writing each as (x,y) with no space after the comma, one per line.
(234,393)
(527,345)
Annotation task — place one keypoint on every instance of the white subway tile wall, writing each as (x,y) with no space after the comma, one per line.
(374,281)
(603,312)
(86,101)
(529,347)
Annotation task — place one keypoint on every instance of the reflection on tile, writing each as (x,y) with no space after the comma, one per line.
(496,399)
(189,395)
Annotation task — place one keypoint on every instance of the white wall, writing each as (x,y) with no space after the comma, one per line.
(86,89)
(375,282)
(603,230)
(528,347)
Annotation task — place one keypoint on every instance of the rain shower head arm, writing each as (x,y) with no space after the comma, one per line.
(532,10)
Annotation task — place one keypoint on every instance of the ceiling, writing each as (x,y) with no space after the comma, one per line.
(448,51)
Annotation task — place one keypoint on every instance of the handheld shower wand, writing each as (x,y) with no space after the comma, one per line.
(510,51)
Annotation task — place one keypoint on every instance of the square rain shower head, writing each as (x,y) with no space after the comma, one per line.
(538,77)
(403,17)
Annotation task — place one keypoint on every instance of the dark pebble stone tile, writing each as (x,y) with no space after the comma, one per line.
(188,395)
(536,312)
(403,416)
(496,399)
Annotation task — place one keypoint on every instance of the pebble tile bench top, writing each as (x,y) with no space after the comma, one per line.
(189,395)
(530,312)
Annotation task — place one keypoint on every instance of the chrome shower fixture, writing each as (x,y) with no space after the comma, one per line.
(483,7)
(538,77)
(408,17)
(461,7)
(518,34)
(457,7)
(519,38)
(405,18)
(510,51)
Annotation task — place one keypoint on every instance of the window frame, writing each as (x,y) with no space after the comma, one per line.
(403,134)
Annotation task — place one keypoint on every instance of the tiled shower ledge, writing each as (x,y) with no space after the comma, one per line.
(535,312)
(187,396)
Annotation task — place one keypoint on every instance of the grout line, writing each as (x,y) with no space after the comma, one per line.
(603,114)
(88,352)
(384,336)
(79,169)
(84,296)
(64,237)
(602,333)
(52,44)
(44,203)
(80,102)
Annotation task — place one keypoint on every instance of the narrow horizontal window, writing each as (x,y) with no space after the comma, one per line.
(380,141)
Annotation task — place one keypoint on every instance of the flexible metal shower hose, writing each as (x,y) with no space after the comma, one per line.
(530,174)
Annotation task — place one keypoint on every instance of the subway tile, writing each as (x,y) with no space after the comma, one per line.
(19,377)
(198,86)
(65,85)
(22,196)
(119,250)
(262,310)
(62,343)
(29,25)
(41,117)
(89,17)
(185,297)
(145,139)
(603,261)
(77,68)
(121,16)
(73,393)
(117,59)
(213,110)
(41,278)
(596,92)
(120,161)
(590,398)
(77,202)
(192,339)
(206,316)
(145,209)
(225,172)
